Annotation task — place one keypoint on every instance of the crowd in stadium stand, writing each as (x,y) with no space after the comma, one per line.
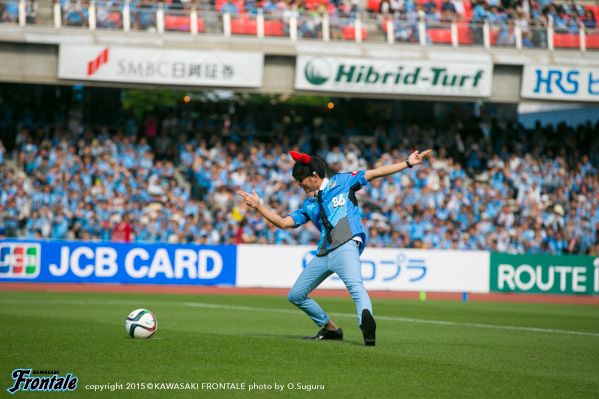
(500,188)
(532,16)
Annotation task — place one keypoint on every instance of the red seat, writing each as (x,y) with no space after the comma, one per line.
(249,26)
(384,24)
(201,27)
(595,10)
(273,28)
(439,35)
(465,35)
(181,23)
(244,26)
(566,40)
(349,33)
(177,22)
(115,17)
(592,41)
(493,36)
(443,35)
(374,5)
(467,10)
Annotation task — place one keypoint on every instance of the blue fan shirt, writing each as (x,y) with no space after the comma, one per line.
(341,208)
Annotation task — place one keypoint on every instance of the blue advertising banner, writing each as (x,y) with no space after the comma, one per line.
(563,83)
(104,262)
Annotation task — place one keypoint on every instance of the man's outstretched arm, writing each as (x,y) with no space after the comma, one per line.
(414,159)
(253,201)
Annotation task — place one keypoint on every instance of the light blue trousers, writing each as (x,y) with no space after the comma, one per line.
(345,261)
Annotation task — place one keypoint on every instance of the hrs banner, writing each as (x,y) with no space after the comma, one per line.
(63,261)
(560,83)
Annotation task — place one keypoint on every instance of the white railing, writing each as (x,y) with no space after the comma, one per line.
(455,42)
(22,13)
(326,28)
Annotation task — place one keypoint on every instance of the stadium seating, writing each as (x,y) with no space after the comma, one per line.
(274,28)
(313,4)
(467,10)
(572,40)
(218,4)
(244,25)
(349,32)
(566,40)
(592,41)
(116,18)
(466,36)
(443,35)
(595,10)
(374,5)
(181,23)
(439,35)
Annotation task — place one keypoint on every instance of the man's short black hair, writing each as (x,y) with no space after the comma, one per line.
(302,170)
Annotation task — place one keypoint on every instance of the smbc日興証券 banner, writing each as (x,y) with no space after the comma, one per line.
(160,66)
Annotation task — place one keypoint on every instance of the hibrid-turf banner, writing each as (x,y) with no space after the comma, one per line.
(440,77)
(545,274)
(102,262)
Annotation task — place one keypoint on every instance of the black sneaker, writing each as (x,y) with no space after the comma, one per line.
(327,334)
(368,328)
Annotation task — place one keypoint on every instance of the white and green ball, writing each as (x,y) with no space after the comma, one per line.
(141,323)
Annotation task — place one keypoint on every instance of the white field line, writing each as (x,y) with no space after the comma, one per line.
(289,311)
(403,319)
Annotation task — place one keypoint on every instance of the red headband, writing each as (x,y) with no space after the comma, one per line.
(305,158)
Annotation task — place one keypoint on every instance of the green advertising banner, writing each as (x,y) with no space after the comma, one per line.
(545,274)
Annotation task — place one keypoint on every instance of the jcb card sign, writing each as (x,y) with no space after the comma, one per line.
(19,260)
(63,261)
(367,75)
(160,66)
(545,274)
(560,83)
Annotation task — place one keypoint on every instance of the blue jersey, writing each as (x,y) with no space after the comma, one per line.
(341,208)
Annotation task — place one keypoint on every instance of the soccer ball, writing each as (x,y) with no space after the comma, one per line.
(141,323)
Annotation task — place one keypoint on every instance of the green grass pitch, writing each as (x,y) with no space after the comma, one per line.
(429,349)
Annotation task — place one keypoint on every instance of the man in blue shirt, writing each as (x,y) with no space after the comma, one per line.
(333,208)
